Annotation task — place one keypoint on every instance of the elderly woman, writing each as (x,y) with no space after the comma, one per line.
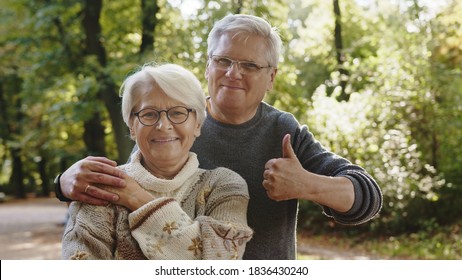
(170,209)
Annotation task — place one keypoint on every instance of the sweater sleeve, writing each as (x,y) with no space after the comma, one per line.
(315,158)
(164,230)
(89,234)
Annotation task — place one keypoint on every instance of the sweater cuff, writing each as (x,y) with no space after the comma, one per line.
(59,194)
(139,216)
(356,203)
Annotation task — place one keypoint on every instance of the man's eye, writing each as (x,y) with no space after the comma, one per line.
(249,66)
(224,61)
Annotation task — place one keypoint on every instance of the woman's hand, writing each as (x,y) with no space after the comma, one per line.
(133,196)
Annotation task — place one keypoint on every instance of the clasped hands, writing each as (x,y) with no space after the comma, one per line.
(97,180)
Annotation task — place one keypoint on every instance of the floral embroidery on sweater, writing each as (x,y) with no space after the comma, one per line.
(204,195)
(80,255)
(169,227)
(196,246)
(159,245)
(232,238)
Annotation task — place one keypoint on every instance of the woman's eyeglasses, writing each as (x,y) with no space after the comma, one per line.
(176,115)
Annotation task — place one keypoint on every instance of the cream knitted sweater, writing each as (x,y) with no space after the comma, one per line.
(199,214)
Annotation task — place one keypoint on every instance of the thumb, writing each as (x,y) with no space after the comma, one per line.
(287,150)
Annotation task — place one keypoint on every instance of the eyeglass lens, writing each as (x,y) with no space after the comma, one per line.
(245,67)
(175,115)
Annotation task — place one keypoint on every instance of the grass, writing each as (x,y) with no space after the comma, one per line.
(443,243)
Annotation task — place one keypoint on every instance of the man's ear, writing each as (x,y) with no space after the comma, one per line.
(272,77)
(273,74)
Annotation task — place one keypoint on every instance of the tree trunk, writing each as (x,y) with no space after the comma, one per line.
(121,133)
(93,136)
(239,7)
(17,175)
(16,179)
(149,10)
(94,130)
(92,27)
(3,118)
(339,51)
(11,118)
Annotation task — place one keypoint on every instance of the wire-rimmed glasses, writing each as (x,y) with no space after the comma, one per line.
(175,115)
(245,67)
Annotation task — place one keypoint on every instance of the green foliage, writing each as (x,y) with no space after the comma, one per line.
(359,130)
(394,122)
(403,120)
(434,242)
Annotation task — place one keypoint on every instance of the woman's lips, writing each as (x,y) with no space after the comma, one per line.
(164,140)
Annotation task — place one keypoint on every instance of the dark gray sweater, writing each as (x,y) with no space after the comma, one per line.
(247,147)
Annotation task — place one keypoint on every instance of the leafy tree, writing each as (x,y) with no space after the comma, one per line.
(387,97)
(390,124)
(445,74)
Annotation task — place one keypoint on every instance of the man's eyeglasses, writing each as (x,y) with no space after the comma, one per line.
(245,67)
(176,115)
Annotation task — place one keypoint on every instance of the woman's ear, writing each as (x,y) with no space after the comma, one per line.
(132,134)
(197,130)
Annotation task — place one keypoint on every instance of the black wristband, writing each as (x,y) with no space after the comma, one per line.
(59,194)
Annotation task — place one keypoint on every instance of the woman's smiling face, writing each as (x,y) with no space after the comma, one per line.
(164,146)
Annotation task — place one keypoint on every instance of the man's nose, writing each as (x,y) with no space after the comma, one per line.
(234,71)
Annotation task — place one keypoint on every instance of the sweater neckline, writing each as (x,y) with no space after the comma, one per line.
(152,183)
(255,119)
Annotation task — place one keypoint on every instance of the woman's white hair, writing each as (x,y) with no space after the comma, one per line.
(177,83)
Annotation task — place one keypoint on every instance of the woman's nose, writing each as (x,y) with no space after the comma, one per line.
(163,122)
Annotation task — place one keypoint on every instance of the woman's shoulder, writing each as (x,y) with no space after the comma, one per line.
(91,210)
(227,174)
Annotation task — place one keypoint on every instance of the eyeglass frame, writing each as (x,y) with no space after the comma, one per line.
(159,112)
(238,62)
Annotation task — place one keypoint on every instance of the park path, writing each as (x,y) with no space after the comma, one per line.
(31,229)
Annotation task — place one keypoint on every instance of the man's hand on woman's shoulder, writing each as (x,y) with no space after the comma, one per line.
(79,182)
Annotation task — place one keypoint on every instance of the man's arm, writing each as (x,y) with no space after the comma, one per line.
(345,191)
(285,178)
(79,182)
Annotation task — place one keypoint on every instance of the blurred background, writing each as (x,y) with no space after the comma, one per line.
(378,82)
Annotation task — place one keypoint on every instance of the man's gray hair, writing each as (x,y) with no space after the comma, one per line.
(247,25)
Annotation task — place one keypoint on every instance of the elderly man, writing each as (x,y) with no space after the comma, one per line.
(279,159)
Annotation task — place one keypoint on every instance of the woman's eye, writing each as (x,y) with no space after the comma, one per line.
(149,115)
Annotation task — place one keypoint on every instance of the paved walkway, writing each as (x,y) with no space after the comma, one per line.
(31,229)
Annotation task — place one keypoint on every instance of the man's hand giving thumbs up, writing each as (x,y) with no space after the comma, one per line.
(285,178)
